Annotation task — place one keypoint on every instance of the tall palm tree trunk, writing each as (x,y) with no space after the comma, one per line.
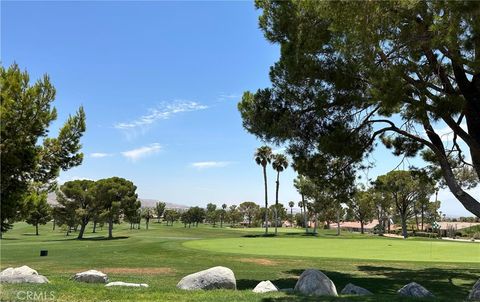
(276,202)
(266,198)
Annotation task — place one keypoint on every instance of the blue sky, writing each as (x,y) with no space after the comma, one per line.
(159,82)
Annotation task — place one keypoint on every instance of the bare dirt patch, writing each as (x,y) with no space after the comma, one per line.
(259,261)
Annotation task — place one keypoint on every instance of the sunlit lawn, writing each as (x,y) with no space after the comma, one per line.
(162,255)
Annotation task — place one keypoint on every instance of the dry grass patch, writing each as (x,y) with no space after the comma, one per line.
(260,261)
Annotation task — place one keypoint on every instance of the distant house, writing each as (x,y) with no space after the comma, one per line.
(354,226)
(444,226)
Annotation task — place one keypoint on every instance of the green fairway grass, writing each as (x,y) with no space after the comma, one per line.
(162,255)
(352,248)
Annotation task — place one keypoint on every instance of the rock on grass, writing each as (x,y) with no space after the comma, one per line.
(218,277)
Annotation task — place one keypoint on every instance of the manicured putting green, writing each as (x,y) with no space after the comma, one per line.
(371,248)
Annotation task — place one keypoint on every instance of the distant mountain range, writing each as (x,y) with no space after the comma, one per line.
(146,203)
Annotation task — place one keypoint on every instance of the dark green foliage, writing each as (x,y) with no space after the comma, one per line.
(249,211)
(36,210)
(234,216)
(171,215)
(117,196)
(353,72)
(159,210)
(404,190)
(25,114)
(362,207)
(79,196)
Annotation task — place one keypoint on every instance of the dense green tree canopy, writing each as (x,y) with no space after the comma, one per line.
(36,209)
(160,209)
(27,154)
(249,210)
(80,195)
(405,189)
(361,207)
(352,73)
(117,196)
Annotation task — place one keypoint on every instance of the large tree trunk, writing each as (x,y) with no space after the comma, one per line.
(82,230)
(36,229)
(276,202)
(404,226)
(94,226)
(422,217)
(361,227)
(53,229)
(266,199)
(470,203)
(110,228)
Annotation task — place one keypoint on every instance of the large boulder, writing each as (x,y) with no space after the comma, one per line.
(313,282)
(91,276)
(217,277)
(413,289)
(475,293)
(22,270)
(265,287)
(351,289)
(22,274)
(120,283)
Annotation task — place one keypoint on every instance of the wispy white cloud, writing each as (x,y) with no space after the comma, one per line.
(228,96)
(136,154)
(210,164)
(162,112)
(100,154)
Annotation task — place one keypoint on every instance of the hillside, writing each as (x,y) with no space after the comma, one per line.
(52,199)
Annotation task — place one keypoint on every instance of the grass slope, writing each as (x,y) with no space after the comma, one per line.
(161,256)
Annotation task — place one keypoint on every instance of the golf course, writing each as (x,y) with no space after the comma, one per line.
(162,255)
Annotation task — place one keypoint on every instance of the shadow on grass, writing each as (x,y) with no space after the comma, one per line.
(98,238)
(447,284)
(104,238)
(294,234)
(259,235)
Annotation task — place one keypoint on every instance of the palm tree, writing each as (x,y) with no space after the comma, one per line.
(280,163)
(263,157)
(301,184)
(291,204)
